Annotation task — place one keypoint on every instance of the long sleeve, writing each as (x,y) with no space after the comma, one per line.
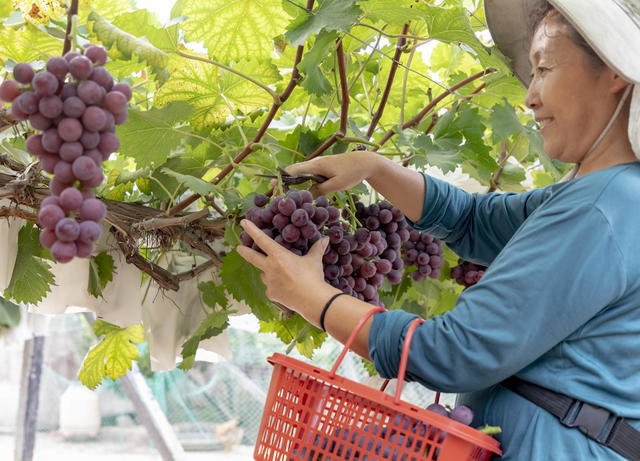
(475,226)
(556,273)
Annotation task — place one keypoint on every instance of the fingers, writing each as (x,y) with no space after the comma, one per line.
(317,249)
(252,256)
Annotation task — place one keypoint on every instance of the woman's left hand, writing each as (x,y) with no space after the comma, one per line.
(294,281)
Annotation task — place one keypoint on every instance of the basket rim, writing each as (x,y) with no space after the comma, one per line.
(455,428)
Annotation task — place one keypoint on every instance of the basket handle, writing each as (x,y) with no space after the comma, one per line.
(405,356)
(352,337)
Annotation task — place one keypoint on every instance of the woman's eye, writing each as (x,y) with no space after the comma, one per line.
(542,70)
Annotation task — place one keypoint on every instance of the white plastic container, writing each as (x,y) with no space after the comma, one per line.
(79,413)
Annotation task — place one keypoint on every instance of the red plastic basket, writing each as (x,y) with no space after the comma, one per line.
(312,415)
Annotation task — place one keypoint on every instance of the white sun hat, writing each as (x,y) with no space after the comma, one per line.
(610,27)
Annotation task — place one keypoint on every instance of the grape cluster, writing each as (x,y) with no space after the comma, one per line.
(467,273)
(76,105)
(425,252)
(461,413)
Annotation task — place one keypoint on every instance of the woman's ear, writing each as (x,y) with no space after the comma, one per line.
(618,83)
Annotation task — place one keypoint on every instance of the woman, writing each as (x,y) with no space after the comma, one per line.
(559,306)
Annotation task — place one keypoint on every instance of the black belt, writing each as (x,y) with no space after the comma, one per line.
(595,422)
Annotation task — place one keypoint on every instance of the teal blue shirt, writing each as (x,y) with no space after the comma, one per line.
(559,306)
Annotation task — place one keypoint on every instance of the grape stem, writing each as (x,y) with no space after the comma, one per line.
(68,36)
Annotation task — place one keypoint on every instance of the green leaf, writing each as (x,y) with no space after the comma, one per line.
(213,324)
(336,15)
(314,80)
(142,23)
(27,43)
(504,122)
(213,295)
(234,30)
(32,277)
(113,355)
(197,185)
(150,136)
(394,12)
(542,178)
(5,9)
(445,153)
(101,269)
(217,94)
(9,314)
(242,281)
(296,328)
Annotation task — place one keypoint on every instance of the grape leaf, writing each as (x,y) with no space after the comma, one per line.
(150,136)
(242,281)
(9,314)
(142,23)
(113,355)
(445,153)
(234,30)
(213,324)
(314,80)
(101,269)
(307,338)
(31,276)
(542,178)
(504,122)
(217,94)
(213,295)
(6,9)
(195,184)
(108,9)
(394,12)
(336,15)
(26,44)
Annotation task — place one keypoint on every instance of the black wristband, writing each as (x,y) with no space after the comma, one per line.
(325,308)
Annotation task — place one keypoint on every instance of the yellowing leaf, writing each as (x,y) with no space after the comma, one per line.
(112,356)
(234,29)
(40,11)
(27,44)
(217,94)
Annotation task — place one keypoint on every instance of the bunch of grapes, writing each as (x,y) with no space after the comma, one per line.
(76,105)
(467,273)
(389,222)
(425,252)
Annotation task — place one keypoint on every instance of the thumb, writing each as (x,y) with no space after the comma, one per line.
(318,249)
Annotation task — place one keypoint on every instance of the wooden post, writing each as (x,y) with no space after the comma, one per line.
(151,416)
(28,400)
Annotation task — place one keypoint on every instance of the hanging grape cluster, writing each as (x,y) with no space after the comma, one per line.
(355,262)
(467,273)
(75,104)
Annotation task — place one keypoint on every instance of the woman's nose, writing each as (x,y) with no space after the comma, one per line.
(532,99)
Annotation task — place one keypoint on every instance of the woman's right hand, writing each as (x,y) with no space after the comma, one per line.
(343,171)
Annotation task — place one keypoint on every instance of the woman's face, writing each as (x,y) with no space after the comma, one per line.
(568,93)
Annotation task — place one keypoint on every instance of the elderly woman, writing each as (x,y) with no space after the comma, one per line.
(558,311)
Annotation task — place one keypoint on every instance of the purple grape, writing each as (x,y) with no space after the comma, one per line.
(50,215)
(118,119)
(94,118)
(23,73)
(34,145)
(45,84)
(71,199)
(90,139)
(422,259)
(383,266)
(395,277)
(299,218)
(90,232)
(69,55)
(260,200)
(51,140)
(80,67)
(56,186)
(69,90)
(109,143)
(69,151)
(67,230)
(322,202)
(280,221)
(90,92)
(27,102)
(73,107)
(115,102)
(334,214)
(18,113)
(94,181)
(287,206)
(48,237)
(9,90)
(385,216)
(367,270)
(97,54)
(463,414)
(63,172)
(48,162)
(439,409)
(246,239)
(63,252)
(331,256)
(290,233)
(39,121)
(95,155)
(123,88)
(93,210)
(50,200)
(331,271)
(84,250)
(58,66)
(320,216)
(102,77)
(69,129)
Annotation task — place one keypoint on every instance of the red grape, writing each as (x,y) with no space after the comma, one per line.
(9,90)
(23,73)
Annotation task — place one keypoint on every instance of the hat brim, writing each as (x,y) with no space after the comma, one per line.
(611,27)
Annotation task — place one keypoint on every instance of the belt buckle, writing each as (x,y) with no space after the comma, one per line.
(593,421)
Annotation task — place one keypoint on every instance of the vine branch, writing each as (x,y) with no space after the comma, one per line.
(73,11)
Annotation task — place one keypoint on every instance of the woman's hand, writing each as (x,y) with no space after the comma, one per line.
(343,171)
(294,281)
